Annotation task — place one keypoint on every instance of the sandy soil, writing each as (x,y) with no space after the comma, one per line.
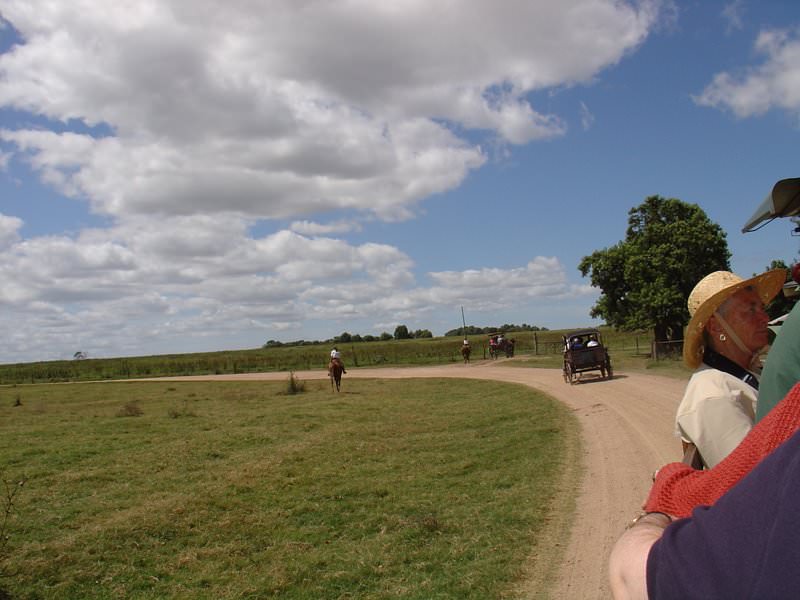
(626,426)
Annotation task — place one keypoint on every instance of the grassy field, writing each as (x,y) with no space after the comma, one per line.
(544,345)
(414,489)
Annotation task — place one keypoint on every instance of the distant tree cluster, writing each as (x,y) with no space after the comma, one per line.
(277,344)
(401,332)
(506,327)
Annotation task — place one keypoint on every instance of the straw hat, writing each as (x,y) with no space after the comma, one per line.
(709,294)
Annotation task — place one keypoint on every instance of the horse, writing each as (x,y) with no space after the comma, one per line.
(465,352)
(335,369)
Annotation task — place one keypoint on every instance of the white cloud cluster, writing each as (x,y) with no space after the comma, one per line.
(775,83)
(187,124)
(289,109)
(131,288)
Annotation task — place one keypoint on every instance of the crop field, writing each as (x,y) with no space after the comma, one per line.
(544,346)
(414,489)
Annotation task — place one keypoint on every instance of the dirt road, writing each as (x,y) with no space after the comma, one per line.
(627,433)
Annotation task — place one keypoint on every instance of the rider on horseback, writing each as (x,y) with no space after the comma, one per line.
(336,356)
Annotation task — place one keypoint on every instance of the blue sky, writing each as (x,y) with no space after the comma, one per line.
(189,176)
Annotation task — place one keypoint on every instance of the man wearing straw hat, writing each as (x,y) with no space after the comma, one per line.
(728,327)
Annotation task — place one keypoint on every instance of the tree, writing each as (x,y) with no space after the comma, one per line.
(385,336)
(780,305)
(401,333)
(422,333)
(646,279)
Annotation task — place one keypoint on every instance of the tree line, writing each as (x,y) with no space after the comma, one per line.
(504,328)
(402,332)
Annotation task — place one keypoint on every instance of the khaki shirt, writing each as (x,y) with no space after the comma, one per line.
(716,412)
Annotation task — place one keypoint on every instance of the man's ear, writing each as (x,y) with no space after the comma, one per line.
(713,327)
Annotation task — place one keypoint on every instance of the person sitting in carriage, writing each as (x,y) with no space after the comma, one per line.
(336,358)
(493,341)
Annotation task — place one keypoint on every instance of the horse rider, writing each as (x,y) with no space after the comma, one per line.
(336,356)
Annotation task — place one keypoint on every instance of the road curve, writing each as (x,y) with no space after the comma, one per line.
(626,429)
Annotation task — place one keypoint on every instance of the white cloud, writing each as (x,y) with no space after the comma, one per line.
(124,290)
(312,228)
(221,107)
(732,14)
(206,118)
(775,83)
(9,230)
(587,118)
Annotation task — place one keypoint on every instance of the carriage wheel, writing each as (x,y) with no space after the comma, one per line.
(569,373)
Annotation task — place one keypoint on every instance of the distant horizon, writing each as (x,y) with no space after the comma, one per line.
(293,343)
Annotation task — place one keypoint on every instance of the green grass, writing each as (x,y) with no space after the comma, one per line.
(414,489)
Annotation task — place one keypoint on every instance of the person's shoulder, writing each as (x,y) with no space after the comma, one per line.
(708,383)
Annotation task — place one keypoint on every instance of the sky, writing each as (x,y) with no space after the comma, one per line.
(195,175)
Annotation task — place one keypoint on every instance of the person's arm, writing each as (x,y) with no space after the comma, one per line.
(628,562)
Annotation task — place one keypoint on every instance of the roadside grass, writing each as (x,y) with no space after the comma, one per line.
(415,489)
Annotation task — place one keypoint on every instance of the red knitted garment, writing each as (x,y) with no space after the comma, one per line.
(678,488)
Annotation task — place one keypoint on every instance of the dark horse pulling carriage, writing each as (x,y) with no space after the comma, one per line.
(584,351)
(498,344)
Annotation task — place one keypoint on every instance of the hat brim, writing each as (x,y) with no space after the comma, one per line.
(767,285)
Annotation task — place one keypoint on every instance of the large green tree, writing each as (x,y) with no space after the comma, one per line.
(645,279)
(401,333)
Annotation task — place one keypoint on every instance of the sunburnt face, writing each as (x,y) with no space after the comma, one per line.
(744,313)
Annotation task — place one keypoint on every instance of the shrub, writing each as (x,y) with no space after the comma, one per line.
(175,412)
(294,385)
(130,409)
(11,489)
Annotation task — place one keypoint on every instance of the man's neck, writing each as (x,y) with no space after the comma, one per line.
(730,351)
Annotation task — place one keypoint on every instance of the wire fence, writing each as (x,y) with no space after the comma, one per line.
(667,350)
(635,345)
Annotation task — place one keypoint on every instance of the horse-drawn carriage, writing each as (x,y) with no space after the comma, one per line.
(499,344)
(584,351)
